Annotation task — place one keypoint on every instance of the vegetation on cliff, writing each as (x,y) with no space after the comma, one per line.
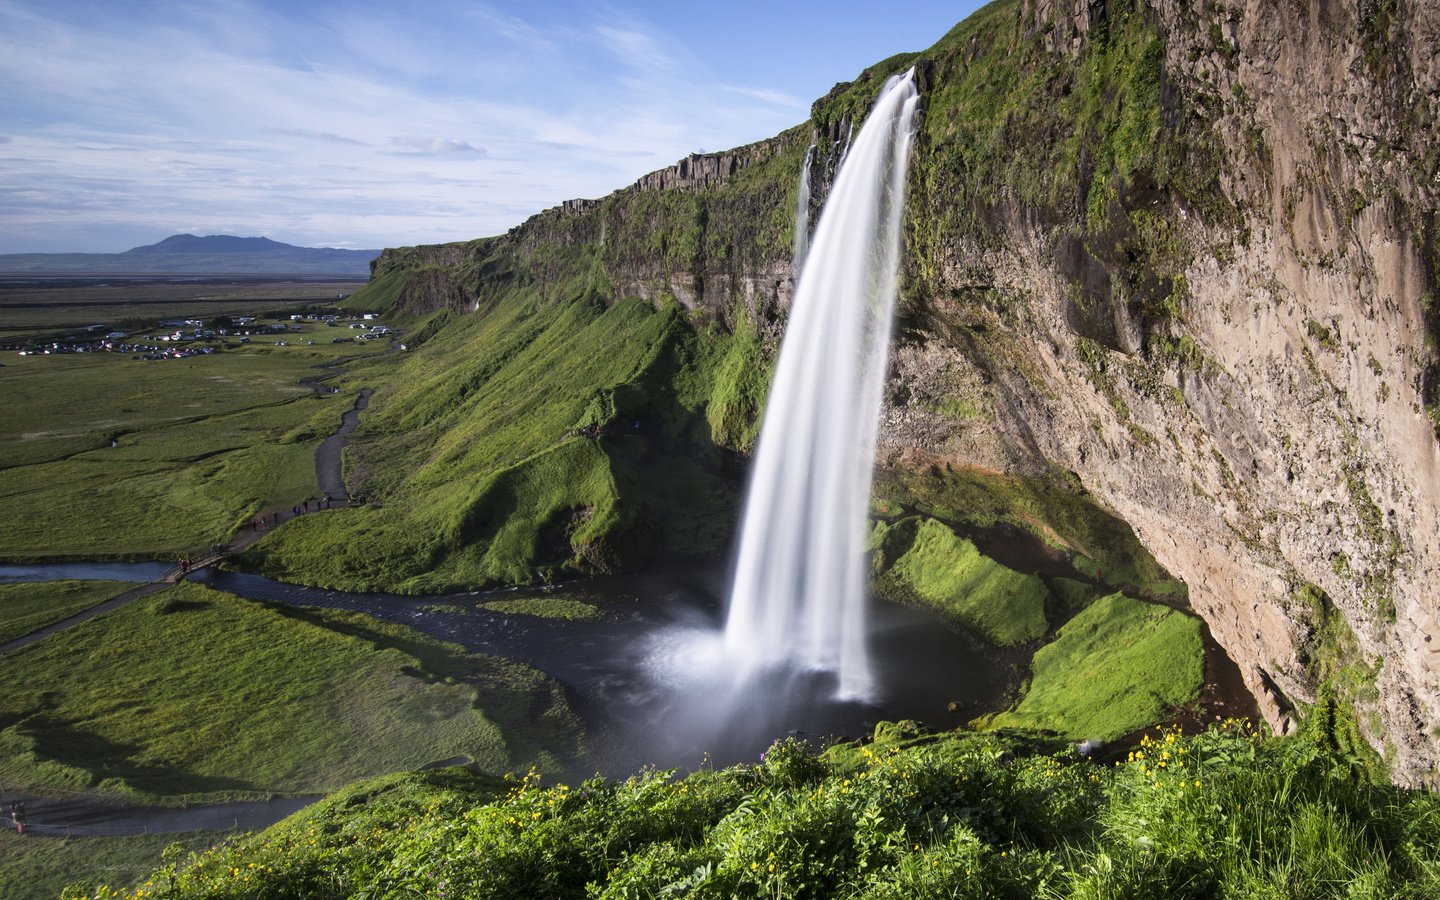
(1221,813)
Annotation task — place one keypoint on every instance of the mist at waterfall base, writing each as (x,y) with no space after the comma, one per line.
(794,649)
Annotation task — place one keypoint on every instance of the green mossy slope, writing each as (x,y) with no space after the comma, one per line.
(531,439)
(1118,666)
(940,569)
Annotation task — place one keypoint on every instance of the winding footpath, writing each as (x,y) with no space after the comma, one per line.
(329,471)
(82,814)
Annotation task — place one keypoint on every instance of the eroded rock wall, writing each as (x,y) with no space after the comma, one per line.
(1271,431)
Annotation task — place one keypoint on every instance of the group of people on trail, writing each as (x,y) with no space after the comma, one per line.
(261,523)
(264,521)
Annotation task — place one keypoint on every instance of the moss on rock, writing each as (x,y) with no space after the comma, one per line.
(942,570)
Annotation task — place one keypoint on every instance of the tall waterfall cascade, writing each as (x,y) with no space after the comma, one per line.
(802,215)
(797,602)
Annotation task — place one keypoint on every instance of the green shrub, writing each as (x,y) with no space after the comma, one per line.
(1221,813)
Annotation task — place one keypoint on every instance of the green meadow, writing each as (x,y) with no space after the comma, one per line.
(30,606)
(193,694)
(156,458)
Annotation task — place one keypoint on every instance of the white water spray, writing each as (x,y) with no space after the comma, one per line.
(802,216)
(797,602)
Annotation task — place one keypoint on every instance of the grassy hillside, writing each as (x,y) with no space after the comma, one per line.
(537,438)
(1224,813)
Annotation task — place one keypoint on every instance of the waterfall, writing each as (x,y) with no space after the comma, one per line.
(802,215)
(797,600)
(845,146)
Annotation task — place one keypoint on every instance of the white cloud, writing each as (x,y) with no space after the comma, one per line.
(343,126)
(776,98)
(436,146)
(326,136)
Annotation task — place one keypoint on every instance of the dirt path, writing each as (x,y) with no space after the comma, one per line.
(87,816)
(329,468)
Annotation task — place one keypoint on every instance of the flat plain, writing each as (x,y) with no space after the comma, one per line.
(32,306)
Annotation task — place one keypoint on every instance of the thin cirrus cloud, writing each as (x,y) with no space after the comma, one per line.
(343,124)
(328,137)
(420,146)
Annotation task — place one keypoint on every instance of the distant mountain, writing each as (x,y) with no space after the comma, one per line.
(184,254)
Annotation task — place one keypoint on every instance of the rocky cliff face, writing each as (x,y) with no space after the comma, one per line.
(708,232)
(1265,431)
(1185,254)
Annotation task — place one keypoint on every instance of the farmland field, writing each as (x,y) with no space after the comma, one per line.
(34,306)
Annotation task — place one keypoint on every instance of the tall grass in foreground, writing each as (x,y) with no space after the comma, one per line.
(1223,813)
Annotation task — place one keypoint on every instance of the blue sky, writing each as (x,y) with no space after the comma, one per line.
(365,124)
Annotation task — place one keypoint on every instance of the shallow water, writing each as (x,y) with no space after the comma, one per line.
(99,571)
